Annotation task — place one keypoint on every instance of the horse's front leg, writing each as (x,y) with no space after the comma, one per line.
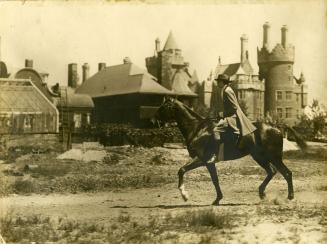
(214,177)
(195,163)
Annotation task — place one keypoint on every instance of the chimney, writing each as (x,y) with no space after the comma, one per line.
(86,71)
(244,48)
(101,66)
(157,45)
(219,60)
(266,28)
(127,60)
(72,75)
(29,63)
(284,30)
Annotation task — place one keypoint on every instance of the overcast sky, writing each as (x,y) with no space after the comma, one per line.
(54,34)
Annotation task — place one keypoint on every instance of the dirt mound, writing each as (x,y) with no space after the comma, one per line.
(85,156)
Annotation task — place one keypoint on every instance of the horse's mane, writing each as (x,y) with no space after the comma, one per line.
(191,111)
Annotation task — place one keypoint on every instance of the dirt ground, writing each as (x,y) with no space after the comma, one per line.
(152,210)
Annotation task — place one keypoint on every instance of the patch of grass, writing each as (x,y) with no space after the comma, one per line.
(322,188)
(313,152)
(24,186)
(124,217)
(251,170)
(204,218)
(18,229)
(49,170)
(5,186)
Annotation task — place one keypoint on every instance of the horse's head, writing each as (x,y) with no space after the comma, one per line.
(166,112)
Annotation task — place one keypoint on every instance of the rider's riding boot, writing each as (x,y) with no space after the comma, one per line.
(215,157)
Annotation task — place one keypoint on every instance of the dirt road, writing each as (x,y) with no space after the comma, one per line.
(157,214)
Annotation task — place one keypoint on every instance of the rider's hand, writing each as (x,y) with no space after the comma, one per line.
(221,114)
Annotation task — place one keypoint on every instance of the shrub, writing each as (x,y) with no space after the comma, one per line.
(24,186)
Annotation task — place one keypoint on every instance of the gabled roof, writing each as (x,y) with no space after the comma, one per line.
(22,96)
(180,84)
(235,68)
(121,79)
(228,69)
(170,43)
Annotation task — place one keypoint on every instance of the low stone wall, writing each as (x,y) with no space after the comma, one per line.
(28,143)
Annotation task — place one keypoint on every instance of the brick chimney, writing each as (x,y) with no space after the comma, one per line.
(101,66)
(72,75)
(284,30)
(266,30)
(86,71)
(157,45)
(127,60)
(29,63)
(244,48)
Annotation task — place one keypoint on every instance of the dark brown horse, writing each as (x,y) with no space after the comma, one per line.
(265,146)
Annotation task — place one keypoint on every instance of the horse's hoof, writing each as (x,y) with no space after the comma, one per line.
(262,195)
(185,197)
(290,197)
(215,202)
(184,193)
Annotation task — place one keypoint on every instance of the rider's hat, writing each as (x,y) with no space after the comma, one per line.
(224,78)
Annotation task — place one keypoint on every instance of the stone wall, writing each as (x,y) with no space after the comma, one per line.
(29,143)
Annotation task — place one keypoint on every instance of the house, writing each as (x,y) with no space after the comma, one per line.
(123,93)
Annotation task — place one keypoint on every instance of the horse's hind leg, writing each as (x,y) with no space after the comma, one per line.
(264,163)
(187,167)
(270,174)
(214,177)
(287,174)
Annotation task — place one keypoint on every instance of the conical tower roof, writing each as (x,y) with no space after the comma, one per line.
(170,43)
(194,77)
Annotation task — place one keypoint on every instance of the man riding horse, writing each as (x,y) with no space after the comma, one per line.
(232,124)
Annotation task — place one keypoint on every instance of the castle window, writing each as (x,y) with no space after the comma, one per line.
(289,67)
(279,95)
(288,95)
(241,94)
(279,112)
(288,113)
(297,97)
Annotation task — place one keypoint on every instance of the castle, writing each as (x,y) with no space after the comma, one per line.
(274,93)
(285,95)
(247,86)
(169,67)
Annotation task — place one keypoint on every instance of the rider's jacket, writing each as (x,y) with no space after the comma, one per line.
(233,113)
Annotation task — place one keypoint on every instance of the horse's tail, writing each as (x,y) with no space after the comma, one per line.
(298,139)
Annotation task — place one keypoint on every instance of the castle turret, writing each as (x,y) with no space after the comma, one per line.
(276,68)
